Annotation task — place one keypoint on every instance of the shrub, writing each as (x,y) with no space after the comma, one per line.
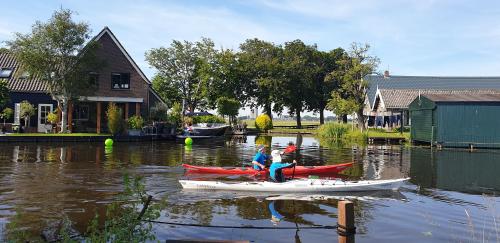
(340,133)
(52,118)
(263,122)
(6,114)
(158,112)
(135,122)
(26,111)
(208,119)
(115,120)
(174,116)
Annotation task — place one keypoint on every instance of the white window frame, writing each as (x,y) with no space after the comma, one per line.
(17,113)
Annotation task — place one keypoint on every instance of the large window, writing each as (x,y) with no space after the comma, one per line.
(5,72)
(120,80)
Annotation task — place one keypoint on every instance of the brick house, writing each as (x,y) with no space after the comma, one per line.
(119,81)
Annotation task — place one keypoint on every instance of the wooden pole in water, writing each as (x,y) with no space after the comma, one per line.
(345,225)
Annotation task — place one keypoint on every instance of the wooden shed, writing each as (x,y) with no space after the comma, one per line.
(456,120)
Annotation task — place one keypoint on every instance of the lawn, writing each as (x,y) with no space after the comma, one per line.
(387,134)
(57,134)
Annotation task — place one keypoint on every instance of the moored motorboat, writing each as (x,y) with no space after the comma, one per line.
(299,185)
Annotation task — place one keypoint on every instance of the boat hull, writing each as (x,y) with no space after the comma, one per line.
(304,185)
(299,170)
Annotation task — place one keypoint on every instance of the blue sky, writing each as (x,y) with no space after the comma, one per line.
(421,37)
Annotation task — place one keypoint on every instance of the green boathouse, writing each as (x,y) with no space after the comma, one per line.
(456,120)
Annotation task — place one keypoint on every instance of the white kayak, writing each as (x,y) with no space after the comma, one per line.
(299,185)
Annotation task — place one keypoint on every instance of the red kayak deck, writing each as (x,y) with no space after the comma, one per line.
(299,170)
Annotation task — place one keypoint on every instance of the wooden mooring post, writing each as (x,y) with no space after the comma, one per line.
(345,225)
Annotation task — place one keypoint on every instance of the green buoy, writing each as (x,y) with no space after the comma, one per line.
(108,142)
(188,141)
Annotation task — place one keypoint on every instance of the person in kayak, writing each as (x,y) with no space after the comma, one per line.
(276,169)
(259,160)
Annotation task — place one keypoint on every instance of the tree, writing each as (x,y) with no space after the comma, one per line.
(182,67)
(168,91)
(4,92)
(228,107)
(351,94)
(226,79)
(26,110)
(299,68)
(6,114)
(261,65)
(56,51)
(323,87)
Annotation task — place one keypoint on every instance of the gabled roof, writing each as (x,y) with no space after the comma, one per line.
(106,30)
(428,83)
(401,98)
(18,83)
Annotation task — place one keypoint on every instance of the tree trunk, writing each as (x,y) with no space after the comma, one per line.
(268,111)
(299,123)
(344,118)
(64,115)
(361,120)
(322,116)
(26,122)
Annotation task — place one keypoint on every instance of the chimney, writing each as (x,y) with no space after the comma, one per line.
(386,73)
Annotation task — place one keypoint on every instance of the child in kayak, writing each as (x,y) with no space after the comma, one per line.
(259,160)
(275,171)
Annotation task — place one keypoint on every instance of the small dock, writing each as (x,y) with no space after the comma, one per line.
(386,140)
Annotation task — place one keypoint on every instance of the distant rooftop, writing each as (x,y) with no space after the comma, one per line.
(428,83)
(401,98)
(464,97)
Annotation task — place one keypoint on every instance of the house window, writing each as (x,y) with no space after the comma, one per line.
(120,80)
(5,72)
(81,112)
(94,79)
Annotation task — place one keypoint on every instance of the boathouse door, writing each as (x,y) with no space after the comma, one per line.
(43,112)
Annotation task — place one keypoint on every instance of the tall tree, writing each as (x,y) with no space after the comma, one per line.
(56,51)
(183,66)
(261,63)
(226,79)
(326,63)
(299,69)
(351,94)
(168,91)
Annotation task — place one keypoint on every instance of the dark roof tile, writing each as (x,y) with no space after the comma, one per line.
(18,83)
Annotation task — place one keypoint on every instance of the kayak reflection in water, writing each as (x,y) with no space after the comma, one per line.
(276,169)
(276,217)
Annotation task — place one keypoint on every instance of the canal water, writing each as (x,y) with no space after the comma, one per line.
(452,195)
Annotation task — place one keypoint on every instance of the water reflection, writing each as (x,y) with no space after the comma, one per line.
(456,170)
(45,182)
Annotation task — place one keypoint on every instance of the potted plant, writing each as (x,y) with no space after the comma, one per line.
(135,124)
(27,111)
(5,115)
(52,118)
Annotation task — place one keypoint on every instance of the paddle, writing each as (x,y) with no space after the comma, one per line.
(293,174)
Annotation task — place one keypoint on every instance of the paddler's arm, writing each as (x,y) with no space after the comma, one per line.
(259,164)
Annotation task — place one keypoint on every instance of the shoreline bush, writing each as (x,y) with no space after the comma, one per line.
(340,133)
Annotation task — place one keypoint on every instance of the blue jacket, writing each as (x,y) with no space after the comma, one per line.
(261,158)
(277,167)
